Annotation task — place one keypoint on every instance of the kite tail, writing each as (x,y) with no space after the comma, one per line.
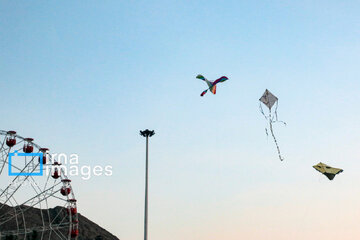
(276,143)
(204,92)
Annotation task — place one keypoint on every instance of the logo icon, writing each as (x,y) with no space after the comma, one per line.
(22,172)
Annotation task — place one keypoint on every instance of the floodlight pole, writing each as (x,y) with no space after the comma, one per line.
(146,133)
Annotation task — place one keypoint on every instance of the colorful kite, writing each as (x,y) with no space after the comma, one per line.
(211,84)
(269,100)
(328,171)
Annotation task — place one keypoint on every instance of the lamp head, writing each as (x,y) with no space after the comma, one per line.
(147,133)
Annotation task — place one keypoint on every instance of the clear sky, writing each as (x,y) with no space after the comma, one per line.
(85,76)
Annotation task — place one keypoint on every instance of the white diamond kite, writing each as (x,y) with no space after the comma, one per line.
(269,100)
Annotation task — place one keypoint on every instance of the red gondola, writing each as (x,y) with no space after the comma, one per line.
(56,174)
(28,146)
(65,191)
(44,152)
(73,211)
(11,140)
(74,232)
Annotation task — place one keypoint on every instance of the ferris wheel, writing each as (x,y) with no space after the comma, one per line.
(37,200)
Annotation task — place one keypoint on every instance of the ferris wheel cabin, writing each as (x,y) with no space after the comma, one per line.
(28,145)
(11,140)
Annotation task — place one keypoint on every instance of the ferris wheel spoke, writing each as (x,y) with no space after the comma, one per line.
(12,166)
(43,192)
(62,220)
(47,181)
(59,234)
(4,155)
(63,236)
(41,212)
(4,162)
(3,143)
(56,218)
(3,221)
(19,184)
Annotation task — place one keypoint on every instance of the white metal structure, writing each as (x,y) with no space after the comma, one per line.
(34,207)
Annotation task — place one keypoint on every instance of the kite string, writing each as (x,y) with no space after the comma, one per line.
(276,115)
(272,119)
(262,112)
(273,135)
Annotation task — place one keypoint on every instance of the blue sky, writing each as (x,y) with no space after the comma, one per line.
(84,77)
